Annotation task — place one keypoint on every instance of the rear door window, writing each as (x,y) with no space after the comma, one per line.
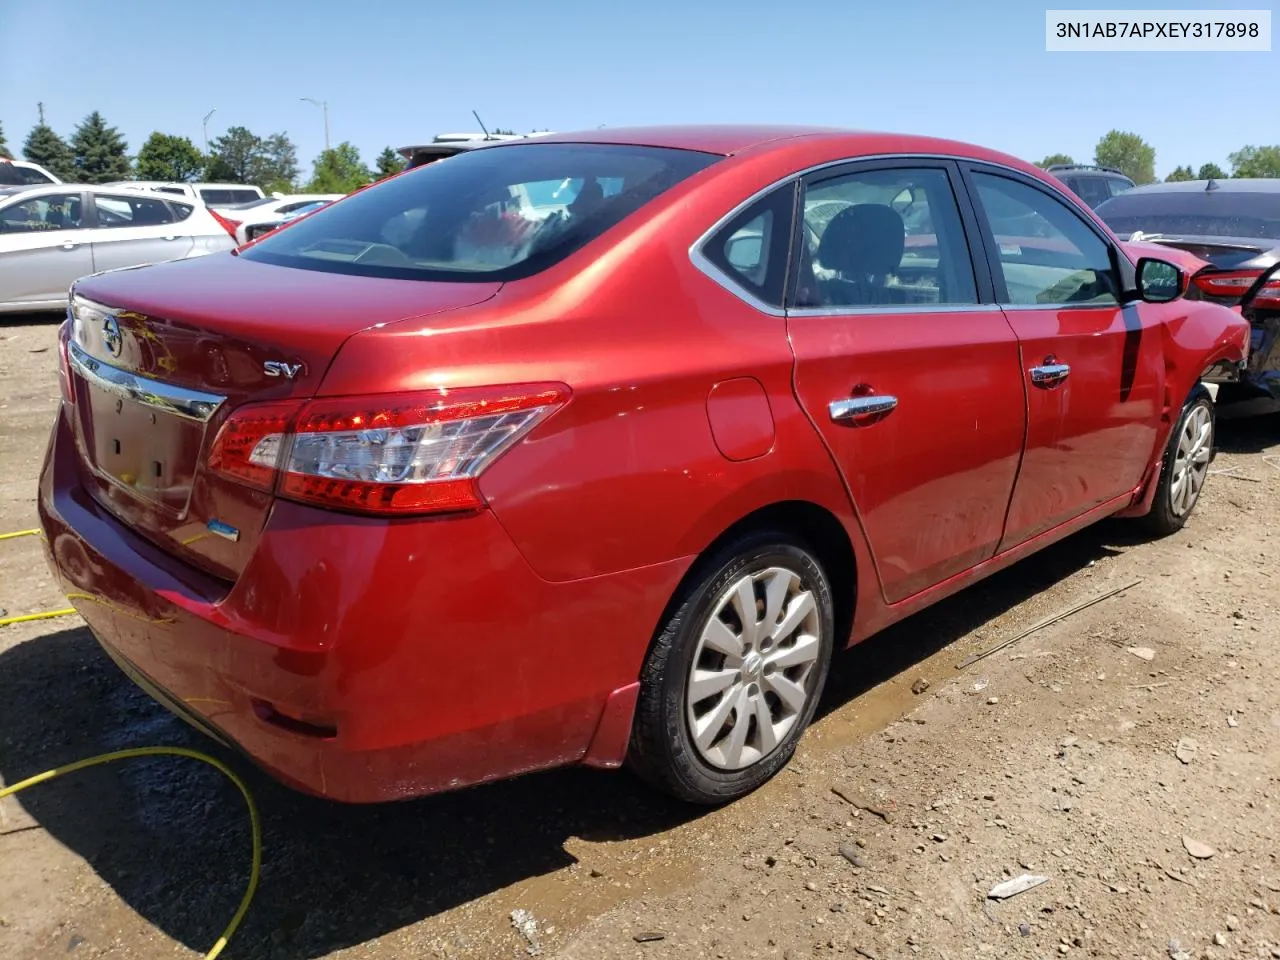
(884,236)
(494,214)
(121,211)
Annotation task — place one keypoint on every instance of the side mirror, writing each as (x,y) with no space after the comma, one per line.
(1159,281)
(743,251)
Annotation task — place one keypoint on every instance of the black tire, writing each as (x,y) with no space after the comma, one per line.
(1168,516)
(662,749)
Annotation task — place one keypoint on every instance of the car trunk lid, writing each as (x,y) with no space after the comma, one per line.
(161,356)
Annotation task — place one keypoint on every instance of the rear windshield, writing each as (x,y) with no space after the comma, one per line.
(13,175)
(1195,214)
(255,202)
(498,213)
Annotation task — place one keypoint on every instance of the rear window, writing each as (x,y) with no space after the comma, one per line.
(255,202)
(1201,213)
(495,214)
(225,197)
(13,175)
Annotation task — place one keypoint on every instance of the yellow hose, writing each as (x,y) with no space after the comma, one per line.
(5,621)
(26,617)
(255,867)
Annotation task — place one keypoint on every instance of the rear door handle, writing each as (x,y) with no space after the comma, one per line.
(69,245)
(856,410)
(1048,374)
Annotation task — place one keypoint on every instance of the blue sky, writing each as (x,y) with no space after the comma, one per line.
(399,72)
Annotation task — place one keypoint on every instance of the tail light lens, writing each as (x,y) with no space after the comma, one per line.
(227,223)
(396,454)
(1237,284)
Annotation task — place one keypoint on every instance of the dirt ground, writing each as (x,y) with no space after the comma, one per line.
(1094,753)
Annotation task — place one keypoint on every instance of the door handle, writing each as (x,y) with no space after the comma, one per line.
(171,237)
(856,410)
(69,245)
(1049,374)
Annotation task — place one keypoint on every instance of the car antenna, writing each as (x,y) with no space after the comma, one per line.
(482,126)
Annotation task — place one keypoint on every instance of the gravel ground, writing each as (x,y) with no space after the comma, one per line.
(1108,753)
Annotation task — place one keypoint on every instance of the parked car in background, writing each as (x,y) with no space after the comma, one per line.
(21,173)
(451,144)
(1092,184)
(211,194)
(1235,226)
(256,217)
(583,451)
(50,236)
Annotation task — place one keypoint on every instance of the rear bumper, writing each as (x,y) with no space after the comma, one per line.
(358,659)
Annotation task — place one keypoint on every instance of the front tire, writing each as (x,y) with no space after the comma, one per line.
(1184,467)
(735,673)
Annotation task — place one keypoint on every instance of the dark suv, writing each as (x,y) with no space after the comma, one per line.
(1091,184)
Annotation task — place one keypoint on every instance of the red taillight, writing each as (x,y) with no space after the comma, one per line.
(227,223)
(247,447)
(393,454)
(1237,284)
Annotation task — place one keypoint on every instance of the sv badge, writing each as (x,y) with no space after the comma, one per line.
(278,368)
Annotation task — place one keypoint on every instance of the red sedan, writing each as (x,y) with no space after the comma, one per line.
(593,449)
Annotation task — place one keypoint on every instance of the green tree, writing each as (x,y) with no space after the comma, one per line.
(4,145)
(1180,173)
(241,156)
(168,157)
(389,162)
(1129,154)
(339,170)
(275,167)
(99,152)
(45,147)
(1210,171)
(232,156)
(499,132)
(1052,159)
(1255,162)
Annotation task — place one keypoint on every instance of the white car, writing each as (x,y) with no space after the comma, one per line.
(51,236)
(211,194)
(261,216)
(23,173)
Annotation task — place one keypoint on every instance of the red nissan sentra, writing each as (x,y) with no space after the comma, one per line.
(594,448)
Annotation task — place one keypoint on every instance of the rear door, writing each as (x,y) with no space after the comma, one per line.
(44,247)
(905,366)
(1093,371)
(136,230)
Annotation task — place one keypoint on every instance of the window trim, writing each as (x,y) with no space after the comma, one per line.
(966,210)
(982,281)
(1121,266)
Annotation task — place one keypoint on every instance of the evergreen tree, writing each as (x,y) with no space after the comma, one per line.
(45,147)
(100,153)
(4,145)
(389,162)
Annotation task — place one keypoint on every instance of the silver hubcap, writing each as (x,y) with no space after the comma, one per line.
(1191,460)
(752,673)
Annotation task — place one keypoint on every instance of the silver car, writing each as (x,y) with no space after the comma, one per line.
(51,236)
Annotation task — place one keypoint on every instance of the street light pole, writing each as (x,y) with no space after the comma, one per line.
(204,125)
(323,105)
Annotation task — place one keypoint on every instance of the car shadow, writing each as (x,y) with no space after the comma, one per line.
(1247,434)
(171,837)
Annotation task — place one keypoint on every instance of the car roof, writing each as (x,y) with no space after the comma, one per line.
(1225,185)
(727,140)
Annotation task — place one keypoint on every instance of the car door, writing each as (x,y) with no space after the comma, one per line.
(44,247)
(905,366)
(1093,369)
(135,230)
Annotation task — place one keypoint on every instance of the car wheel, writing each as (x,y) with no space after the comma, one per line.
(735,673)
(1185,466)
